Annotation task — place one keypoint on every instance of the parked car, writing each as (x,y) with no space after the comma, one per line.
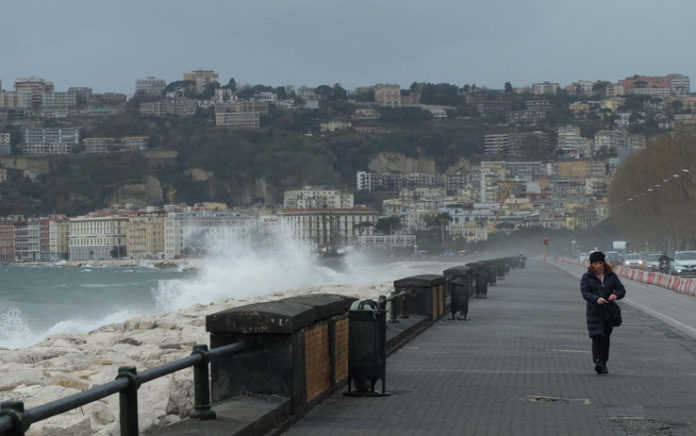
(584,257)
(613,258)
(684,263)
(652,262)
(633,260)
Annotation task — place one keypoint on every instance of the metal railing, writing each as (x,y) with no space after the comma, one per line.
(14,420)
(394,298)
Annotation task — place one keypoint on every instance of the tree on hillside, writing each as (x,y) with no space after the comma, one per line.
(508,89)
(181,87)
(388,225)
(209,91)
(231,85)
(442,93)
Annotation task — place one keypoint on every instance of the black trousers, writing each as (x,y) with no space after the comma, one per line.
(600,348)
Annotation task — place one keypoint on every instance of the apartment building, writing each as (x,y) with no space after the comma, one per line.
(98,236)
(69,135)
(35,87)
(661,86)
(419,180)
(46,148)
(55,99)
(133,143)
(202,78)
(333,125)
(150,86)
(330,227)
(366,180)
(145,236)
(238,120)
(179,107)
(15,100)
(545,88)
(243,106)
(58,229)
(388,95)
(82,94)
(5,147)
(311,197)
(98,145)
(7,240)
(27,240)
(193,233)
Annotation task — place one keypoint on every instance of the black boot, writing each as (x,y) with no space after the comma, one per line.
(604,369)
(598,366)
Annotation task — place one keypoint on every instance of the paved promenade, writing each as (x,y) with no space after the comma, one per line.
(522,366)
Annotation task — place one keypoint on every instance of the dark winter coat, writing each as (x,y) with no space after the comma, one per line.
(592,289)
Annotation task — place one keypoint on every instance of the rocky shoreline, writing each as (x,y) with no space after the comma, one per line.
(132,263)
(62,365)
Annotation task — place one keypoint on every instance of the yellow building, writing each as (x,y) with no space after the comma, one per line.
(145,236)
(575,169)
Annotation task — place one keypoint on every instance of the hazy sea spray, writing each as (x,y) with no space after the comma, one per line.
(235,268)
(14,329)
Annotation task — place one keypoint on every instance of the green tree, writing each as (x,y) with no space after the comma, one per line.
(231,85)
(209,90)
(388,225)
(508,89)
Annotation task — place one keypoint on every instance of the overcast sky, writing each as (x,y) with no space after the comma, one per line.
(108,45)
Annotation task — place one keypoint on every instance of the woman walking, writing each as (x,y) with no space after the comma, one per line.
(600,285)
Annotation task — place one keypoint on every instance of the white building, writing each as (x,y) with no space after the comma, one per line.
(98,236)
(366,180)
(317,198)
(330,227)
(151,86)
(194,233)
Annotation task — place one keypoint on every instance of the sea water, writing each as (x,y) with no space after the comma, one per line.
(39,301)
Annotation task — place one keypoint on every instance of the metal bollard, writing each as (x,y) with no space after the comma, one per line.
(15,410)
(128,401)
(201,389)
(392,310)
(404,307)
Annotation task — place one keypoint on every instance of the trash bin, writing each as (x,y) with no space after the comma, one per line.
(481,282)
(367,348)
(459,293)
(493,273)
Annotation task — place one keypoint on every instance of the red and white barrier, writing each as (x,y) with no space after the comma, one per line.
(674,283)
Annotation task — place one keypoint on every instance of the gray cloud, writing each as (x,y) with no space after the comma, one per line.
(108,45)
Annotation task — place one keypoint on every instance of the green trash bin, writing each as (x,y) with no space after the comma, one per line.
(367,349)
(459,293)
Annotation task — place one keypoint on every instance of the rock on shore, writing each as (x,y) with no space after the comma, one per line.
(65,364)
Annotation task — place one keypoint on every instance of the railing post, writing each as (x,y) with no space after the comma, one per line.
(201,389)
(15,410)
(404,306)
(392,309)
(128,401)
(382,302)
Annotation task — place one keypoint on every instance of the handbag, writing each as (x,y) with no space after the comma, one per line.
(610,313)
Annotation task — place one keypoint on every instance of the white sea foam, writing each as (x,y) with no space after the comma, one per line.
(14,329)
(236,269)
(81,325)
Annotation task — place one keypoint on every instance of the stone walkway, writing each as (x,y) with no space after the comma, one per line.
(522,366)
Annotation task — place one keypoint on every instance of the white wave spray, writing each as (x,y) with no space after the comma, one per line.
(235,268)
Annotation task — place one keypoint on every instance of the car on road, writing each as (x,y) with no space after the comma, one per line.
(633,260)
(684,263)
(652,262)
(583,257)
(613,258)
